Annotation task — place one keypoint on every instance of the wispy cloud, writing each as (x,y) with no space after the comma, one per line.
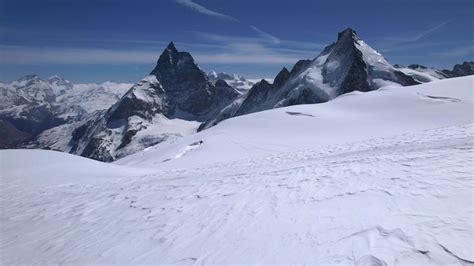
(257,50)
(232,40)
(427,32)
(20,55)
(409,40)
(262,59)
(265,35)
(204,10)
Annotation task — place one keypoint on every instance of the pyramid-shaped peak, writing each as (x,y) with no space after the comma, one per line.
(285,70)
(169,55)
(346,34)
(171,47)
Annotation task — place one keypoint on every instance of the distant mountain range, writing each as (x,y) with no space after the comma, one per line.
(38,113)
(112,120)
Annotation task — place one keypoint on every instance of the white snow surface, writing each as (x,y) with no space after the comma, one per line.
(95,97)
(377,178)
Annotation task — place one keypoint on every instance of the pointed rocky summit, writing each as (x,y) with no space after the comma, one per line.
(175,89)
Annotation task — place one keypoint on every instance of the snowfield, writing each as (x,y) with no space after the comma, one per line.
(377,178)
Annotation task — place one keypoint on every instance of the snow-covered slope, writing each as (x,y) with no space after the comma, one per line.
(52,168)
(377,178)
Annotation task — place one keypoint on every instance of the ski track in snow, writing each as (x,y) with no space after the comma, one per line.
(400,200)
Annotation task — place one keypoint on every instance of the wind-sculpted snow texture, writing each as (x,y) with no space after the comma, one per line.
(377,178)
(398,200)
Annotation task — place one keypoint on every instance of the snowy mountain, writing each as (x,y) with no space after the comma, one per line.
(420,73)
(425,74)
(460,70)
(237,82)
(376,178)
(32,105)
(347,65)
(169,103)
(110,120)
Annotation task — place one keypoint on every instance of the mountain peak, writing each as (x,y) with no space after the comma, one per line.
(171,47)
(282,77)
(168,54)
(56,78)
(346,34)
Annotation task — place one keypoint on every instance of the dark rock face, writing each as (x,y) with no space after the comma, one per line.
(281,78)
(34,119)
(175,88)
(416,66)
(300,65)
(344,50)
(11,136)
(183,81)
(256,98)
(460,70)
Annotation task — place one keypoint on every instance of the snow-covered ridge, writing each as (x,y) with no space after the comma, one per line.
(95,121)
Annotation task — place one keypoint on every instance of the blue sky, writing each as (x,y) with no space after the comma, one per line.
(99,40)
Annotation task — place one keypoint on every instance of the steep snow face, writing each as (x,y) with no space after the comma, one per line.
(41,108)
(377,178)
(169,103)
(237,82)
(347,65)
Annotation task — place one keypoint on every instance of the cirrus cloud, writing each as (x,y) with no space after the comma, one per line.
(204,10)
